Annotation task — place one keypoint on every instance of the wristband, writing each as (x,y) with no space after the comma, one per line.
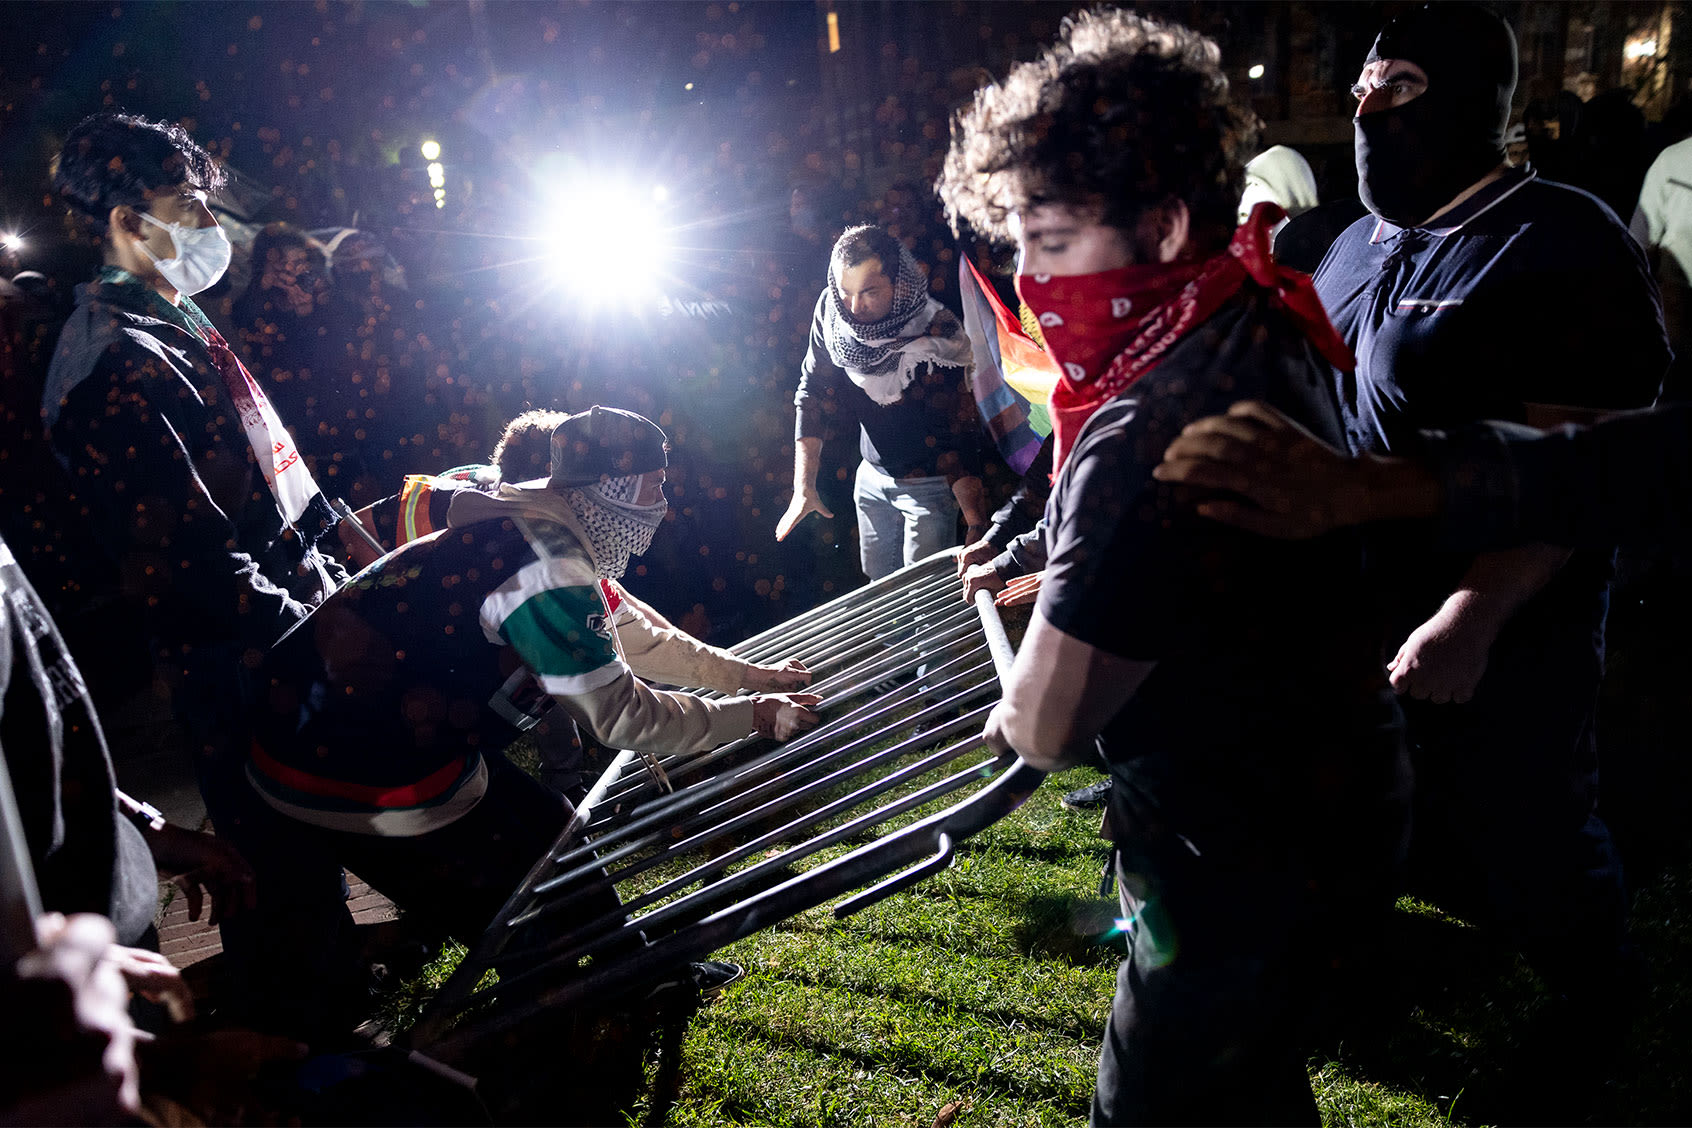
(145,816)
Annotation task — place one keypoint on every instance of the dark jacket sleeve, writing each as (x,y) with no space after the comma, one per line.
(1025,554)
(1627,479)
(122,445)
(819,383)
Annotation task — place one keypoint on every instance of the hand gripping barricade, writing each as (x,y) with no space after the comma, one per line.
(706,849)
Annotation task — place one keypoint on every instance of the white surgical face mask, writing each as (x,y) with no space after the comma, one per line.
(202,255)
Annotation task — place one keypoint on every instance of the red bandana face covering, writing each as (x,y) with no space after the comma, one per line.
(1107,330)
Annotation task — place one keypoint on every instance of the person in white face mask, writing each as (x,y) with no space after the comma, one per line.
(209,518)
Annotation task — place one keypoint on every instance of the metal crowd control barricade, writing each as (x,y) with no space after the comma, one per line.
(706,849)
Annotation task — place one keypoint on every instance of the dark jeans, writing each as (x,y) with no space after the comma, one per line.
(292,964)
(1506,833)
(1238,932)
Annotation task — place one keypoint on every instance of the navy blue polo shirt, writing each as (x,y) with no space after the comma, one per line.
(1528,292)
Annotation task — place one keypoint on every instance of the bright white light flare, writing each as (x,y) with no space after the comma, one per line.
(605,243)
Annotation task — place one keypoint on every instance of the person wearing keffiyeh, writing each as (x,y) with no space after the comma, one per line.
(897,361)
(1232,686)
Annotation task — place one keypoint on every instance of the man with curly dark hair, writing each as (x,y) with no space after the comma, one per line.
(1231,685)
(210,518)
(888,354)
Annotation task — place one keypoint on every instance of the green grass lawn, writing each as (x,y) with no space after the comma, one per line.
(979,997)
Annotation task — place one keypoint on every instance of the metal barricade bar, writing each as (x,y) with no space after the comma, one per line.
(719,858)
(681,767)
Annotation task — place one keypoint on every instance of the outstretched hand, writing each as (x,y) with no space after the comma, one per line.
(804,503)
(779,678)
(784,715)
(1023,589)
(1294,484)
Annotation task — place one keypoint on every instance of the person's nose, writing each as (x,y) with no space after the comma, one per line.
(1378,98)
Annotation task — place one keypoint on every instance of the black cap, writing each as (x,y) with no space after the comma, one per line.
(604,442)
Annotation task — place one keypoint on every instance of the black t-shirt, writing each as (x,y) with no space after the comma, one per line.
(1269,690)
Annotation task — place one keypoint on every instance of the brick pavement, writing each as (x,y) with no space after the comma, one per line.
(185,943)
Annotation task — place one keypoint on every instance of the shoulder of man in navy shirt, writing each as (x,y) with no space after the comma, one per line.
(1529,293)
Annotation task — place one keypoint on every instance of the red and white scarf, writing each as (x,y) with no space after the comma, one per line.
(1107,330)
(285,471)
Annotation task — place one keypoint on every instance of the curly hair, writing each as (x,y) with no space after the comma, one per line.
(113,159)
(1121,112)
(524,451)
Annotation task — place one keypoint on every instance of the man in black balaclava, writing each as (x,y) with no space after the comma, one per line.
(1433,106)
(1478,291)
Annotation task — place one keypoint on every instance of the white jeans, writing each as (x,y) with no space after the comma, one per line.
(901,520)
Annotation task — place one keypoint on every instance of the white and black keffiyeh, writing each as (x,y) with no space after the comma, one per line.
(616,527)
(883,356)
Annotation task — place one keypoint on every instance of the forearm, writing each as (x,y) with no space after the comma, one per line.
(630,715)
(807,457)
(1024,555)
(1027,505)
(658,651)
(972,499)
(1625,479)
(1060,694)
(1498,583)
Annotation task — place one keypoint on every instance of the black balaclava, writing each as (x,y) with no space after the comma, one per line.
(1414,159)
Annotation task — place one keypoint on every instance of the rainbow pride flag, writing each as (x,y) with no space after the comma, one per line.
(1013,377)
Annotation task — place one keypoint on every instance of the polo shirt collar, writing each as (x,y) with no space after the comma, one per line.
(1483,201)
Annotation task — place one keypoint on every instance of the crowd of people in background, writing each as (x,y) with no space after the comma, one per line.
(179,433)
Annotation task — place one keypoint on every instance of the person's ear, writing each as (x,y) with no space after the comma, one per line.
(123,218)
(1173,226)
(1160,233)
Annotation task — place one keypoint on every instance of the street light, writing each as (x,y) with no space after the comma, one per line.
(431,150)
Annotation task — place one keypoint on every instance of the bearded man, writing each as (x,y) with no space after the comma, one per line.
(885,353)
